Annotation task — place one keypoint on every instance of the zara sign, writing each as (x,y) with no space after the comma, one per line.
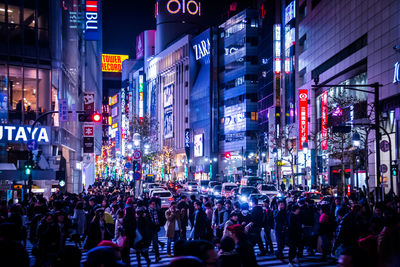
(16,134)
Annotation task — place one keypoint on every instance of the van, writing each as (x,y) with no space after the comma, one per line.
(227,189)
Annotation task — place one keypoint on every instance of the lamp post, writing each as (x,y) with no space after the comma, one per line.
(375,92)
(305,151)
(356,143)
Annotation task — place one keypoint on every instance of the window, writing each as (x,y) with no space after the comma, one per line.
(303,10)
(254,116)
(303,43)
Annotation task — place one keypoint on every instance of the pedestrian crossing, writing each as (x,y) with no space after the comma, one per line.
(269,260)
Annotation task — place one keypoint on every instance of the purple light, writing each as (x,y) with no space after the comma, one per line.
(337,112)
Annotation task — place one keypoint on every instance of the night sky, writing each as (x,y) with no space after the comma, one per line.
(123,20)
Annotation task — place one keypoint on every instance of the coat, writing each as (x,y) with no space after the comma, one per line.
(79,219)
(172,217)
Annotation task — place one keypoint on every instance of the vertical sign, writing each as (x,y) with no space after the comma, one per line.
(187,143)
(88,101)
(92,20)
(63,110)
(140,46)
(396,78)
(324,120)
(141,112)
(3,100)
(303,114)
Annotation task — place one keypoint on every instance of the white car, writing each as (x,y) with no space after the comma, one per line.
(191,186)
(227,189)
(151,190)
(268,189)
(165,196)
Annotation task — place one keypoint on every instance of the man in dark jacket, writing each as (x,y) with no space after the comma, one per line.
(243,246)
(294,234)
(199,221)
(257,215)
(347,232)
(154,215)
(268,226)
(281,225)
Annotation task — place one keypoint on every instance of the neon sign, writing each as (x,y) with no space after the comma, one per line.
(13,133)
(192,7)
(303,114)
(141,96)
(92,21)
(396,78)
(324,120)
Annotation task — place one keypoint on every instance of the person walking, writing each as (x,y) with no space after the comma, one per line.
(199,222)
(281,226)
(144,227)
(173,226)
(257,217)
(220,217)
(233,219)
(155,226)
(129,230)
(295,234)
(268,226)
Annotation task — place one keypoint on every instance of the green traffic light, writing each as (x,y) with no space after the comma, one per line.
(28,171)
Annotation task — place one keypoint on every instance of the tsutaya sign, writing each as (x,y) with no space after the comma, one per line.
(184,6)
(14,133)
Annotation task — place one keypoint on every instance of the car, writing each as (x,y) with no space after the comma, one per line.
(156,189)
(316,196)
(211,186)
(203,186)
(148,186)
(191,186)
(227,189)
(245,192)
(296,193)
(268,189)
(234,192)
(260,197)
(216,190)
(165,196)
(251,181)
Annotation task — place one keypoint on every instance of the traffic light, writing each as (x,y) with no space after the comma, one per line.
(96,117)
(28,167)
(134,165)
(90,117)
(394,170)
(227,155)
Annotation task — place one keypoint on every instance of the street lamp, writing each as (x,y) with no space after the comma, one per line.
(136,140)
(356,140)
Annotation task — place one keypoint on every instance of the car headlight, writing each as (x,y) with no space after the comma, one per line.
(243,198)
(190,187)
(216,193)
(280,195)
(203,188)
(212,190)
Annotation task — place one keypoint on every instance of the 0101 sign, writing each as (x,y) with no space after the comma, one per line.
(192,7)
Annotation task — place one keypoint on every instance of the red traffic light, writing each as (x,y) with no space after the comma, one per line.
(227,155)
(96,117)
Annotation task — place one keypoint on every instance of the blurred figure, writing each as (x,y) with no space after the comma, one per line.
(173,226)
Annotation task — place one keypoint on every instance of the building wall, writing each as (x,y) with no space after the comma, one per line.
(329,29)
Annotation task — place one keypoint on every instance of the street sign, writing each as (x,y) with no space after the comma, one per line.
(88,144)
(384,146)
(88,101)
(62,110)
(137,154)
(384,168)
(88,131)
(137,176)
(32,145)
(128,165)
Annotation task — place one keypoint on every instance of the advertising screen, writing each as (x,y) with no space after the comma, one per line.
(113,63)
(324,120)
(198,145)
(168,95)
(168,123)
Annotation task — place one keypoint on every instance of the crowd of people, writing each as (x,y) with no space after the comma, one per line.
(109,223)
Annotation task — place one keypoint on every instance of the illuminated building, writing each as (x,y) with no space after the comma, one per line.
(238,43)
(41,66)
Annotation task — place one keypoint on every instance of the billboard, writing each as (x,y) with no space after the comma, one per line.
(113,63)
(168,95)
(303,115)
(168,123)
(198,145)
(140,46)
(92,20)
(324,120)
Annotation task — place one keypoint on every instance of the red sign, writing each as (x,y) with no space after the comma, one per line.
(324,121)
(88,101)
(348,190)
(88,131)
(140,46)
(303,115)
